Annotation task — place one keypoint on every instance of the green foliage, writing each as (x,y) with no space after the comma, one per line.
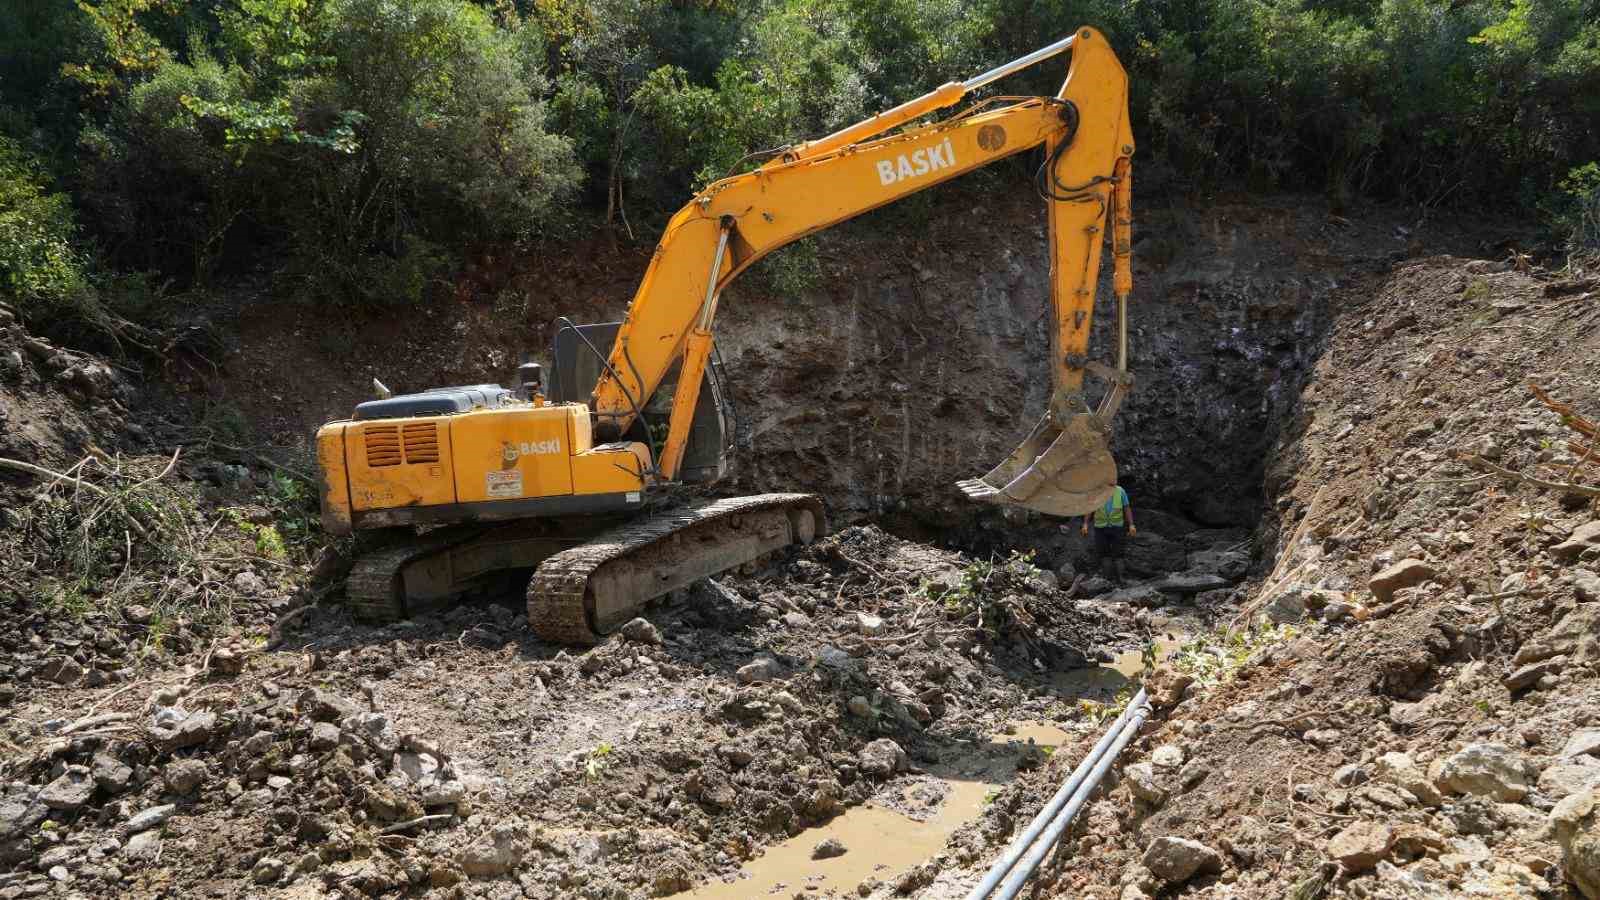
(794,270)
(40,269)
(992,594)
(1576,208)
(124,46)
(597,761)
(356,149)
(292,529)
(1215,657)
(368,141)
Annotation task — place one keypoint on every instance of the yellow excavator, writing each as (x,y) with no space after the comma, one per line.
(574,475)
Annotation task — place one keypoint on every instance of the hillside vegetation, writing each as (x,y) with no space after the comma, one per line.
(357,151)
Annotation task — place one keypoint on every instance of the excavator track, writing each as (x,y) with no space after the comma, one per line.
(373,588)
(579,595)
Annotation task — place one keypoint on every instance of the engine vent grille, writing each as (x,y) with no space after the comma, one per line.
(383,445)
(422,443)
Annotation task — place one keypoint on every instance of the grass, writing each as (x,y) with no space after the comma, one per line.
(113,532)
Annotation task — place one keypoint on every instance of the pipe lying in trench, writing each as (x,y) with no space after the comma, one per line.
(1047,827)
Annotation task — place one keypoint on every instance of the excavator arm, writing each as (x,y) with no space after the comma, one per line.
(1063,467)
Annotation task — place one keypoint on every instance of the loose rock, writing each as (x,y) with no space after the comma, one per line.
(764,669)
(828,849)
(1361,845)
(148,819)
(1487,770)
(1582,538)
(1175,860)
(184,775)
(70,791)
(882,758)
(110,774)
(1576,824)
(641,631)
(1403,574)
(1400,770)
(494,854)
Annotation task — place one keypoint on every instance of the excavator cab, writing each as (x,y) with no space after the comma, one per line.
(579,354)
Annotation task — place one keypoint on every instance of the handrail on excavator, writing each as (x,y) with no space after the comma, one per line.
(944,95)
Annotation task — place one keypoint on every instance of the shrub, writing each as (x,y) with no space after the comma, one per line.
(41,271)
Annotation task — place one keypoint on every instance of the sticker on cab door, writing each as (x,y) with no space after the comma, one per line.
(505,483)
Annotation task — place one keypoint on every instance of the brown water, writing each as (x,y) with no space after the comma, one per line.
(880,842)
(1111,677)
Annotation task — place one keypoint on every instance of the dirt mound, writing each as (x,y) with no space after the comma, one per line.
(58,404)
(1417,725)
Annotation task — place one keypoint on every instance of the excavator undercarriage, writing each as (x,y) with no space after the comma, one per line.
(589,576)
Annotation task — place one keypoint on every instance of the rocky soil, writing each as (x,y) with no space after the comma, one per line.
(1404,708)
(459,754)
(1430,728)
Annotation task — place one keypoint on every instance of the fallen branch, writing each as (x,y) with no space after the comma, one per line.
(1569,416)
(42,472)
(412,823)
(1483,465)
(94,721)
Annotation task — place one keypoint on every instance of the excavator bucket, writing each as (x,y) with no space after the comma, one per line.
(1059,470)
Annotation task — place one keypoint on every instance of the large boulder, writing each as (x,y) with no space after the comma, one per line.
(1487,770)
(1149,554)
(1229,564)
(1575,822)
(1190,583)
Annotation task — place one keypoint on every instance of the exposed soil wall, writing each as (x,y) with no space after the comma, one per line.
(917,358)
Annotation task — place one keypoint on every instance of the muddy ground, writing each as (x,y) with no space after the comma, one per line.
(190,711)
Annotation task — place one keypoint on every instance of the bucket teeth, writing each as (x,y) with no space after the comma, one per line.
(977,489)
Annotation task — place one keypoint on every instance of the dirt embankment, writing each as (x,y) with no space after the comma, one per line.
(915,358)
(1429,731)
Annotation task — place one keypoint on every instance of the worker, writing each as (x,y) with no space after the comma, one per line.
(1113,525)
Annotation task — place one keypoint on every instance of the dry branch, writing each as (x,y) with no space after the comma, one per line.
(42,472)
(1483,465)
(1569,416)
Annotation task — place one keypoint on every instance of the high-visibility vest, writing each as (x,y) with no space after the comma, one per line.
(1111,512)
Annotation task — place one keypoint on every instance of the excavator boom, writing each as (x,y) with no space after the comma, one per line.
(1063,467)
